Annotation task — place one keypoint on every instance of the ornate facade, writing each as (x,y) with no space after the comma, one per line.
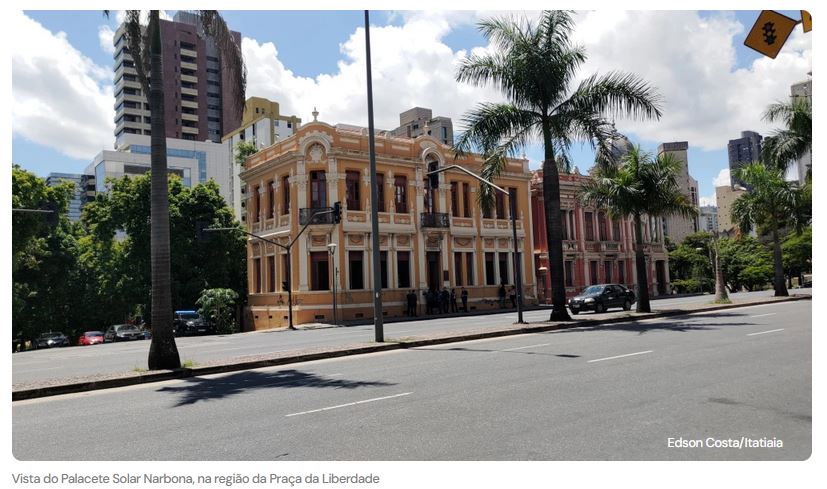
(429,237)
(596,248)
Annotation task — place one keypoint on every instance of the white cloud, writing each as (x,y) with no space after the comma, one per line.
(722,179)
(60,98)
(706,201)
(691,60)
(105,37)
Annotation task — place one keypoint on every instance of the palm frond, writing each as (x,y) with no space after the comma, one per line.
(615,94)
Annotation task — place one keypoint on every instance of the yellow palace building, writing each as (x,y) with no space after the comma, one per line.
(430,238)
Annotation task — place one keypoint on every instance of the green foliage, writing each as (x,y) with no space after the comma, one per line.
(737,255)
(687,286)
(755,277)
(797,252)
(217,307)
(691,260)
(243,149)
(195,265)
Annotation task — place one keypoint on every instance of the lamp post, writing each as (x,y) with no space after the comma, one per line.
(332,248)
(512,198)
(721,294)
(542,271)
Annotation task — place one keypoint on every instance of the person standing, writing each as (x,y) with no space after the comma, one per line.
(454,307)
(464,297)
(512,294)
(443,301)
(501,295)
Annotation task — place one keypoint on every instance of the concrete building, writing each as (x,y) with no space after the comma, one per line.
(677,228)
(709,218)
(742,151)
(725,196)
(596,248)
(195,162)
(803,90)
(84,190)
(197,104)
(430,237)
(418,121)
(263,125)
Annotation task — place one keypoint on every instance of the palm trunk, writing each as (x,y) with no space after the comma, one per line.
(554,231)
(640,267)
(720,286)
(163,353)
(780,288)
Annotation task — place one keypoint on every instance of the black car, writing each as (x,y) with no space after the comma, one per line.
(186,323)
(51,339)
(122,332)
(598,298)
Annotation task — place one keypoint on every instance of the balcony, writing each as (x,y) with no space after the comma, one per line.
(306,213)
(188,52)
(434,220)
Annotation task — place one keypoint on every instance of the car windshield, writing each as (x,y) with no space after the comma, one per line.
(51,335)
(594,289)
(128,327)
(188,315)
(93,333)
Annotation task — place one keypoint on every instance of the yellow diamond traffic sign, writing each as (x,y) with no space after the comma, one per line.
(807,20)
(770,32)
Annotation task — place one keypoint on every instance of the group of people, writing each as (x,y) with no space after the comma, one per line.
(437,301)
(511,292)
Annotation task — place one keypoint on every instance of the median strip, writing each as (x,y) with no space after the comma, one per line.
(621,356)
(348,404)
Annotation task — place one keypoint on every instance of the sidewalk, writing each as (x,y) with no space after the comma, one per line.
(106,381)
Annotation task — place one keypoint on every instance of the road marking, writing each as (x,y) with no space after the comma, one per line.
(524,347)
(765,332)
(762,315)
(348,404)
(620,356)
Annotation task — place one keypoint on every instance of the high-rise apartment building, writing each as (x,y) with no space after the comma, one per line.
(197,104)
(418,121)
(84,190)
(803,91)
(677,228)
(709,218)
(743,151)
(725,197)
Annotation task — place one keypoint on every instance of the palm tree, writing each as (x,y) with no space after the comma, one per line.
(534,66)
(144,44)
(796,138)
(640,186)
(771,203)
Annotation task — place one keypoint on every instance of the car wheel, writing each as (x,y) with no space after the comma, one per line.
(627,305)
(575,312)
(599,307)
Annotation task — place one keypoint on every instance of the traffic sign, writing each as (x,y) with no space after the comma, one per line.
(807,20)
(770,32)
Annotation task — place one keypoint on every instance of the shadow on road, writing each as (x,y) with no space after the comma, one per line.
(681,324)
(205,389)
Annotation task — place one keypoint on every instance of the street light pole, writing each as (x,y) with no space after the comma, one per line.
(332,248)
(512,198)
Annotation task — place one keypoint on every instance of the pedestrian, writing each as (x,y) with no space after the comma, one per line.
(444,296)
(501,295)
(429,301)
(411,304)
(513,296)
(464,296)
(454,301)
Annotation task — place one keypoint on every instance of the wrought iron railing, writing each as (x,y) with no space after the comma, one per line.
(306,213)
(434,220)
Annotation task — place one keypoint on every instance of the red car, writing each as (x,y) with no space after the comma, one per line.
(91,338)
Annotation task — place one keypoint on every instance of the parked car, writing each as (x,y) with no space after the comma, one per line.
(122,332)
(146,331)
(51,339)
(187,323)
(91,338)
(598,298)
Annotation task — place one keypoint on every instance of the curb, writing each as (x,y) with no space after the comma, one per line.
(362,349)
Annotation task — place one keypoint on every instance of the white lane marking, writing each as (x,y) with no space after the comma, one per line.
(348,404)
(762,315)
(620,356)
(524,347)
(765,332)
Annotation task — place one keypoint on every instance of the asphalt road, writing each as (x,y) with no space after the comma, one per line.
(65,363)
(617,392)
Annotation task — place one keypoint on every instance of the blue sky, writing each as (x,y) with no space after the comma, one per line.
(308,62)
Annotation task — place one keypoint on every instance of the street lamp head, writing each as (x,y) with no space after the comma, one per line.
(332,248)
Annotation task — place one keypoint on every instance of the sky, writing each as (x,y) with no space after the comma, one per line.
(711,85)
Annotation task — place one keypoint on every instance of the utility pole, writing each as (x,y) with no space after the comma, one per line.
(374,197)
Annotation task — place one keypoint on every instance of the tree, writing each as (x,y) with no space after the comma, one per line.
(639,186)
(145,46)
(243,149)
(534,65)
(795,139)
(736,254)
(797,254)
(216,306)
(771,203)
(196,264)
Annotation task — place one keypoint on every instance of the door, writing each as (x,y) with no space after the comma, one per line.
(433,270)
